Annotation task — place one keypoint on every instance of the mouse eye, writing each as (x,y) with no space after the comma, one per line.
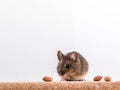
(68,66)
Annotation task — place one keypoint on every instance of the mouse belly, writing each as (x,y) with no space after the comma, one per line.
(67,77)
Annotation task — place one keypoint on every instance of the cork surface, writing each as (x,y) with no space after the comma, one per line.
(73,85)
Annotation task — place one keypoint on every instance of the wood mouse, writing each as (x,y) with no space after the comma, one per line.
(72,66)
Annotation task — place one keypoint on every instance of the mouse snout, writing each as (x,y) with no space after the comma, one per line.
(62,73)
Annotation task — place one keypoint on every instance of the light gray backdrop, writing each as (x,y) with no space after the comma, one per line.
(31,33)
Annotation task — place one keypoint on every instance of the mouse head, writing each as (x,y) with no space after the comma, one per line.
(68,63)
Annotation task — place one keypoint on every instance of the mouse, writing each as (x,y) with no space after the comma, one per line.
(72,66)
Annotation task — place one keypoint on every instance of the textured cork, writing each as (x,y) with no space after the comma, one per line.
(73,85)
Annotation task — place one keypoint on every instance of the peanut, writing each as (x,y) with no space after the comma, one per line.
(47,79)
(97,78)
(107,78)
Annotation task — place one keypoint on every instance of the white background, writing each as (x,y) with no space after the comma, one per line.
(31,33)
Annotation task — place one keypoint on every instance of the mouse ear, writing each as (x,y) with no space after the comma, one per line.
(60,55)
(74,56)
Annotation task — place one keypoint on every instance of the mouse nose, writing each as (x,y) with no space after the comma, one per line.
(62,72)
